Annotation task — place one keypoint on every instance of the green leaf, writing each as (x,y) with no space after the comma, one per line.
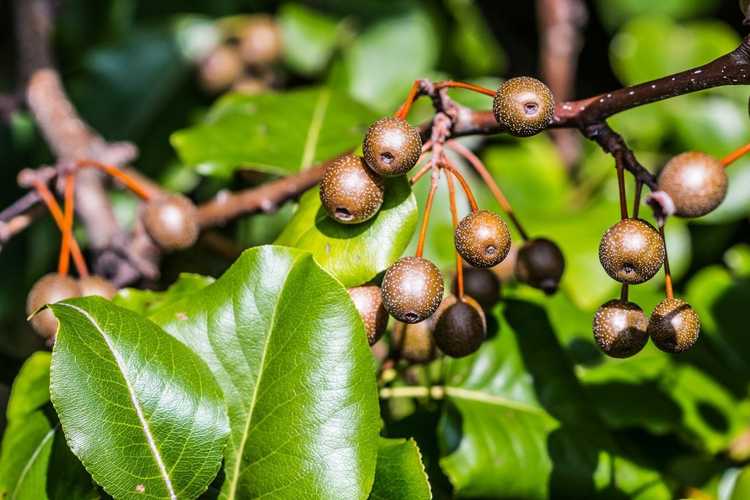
(615,12)
(518,423)
(32,443)
(277,133)
(399,473)
(139,409)
(355,253)
(309,38)
(290,353)
(147,302)
(741,489)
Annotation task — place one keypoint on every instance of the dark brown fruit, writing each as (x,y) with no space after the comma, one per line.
(171,221)
(412,289)
(480,284)
(696,182)
(631,251)
(460,328)
(220,69)
(525,106)
(369,302)
(49,289)
(414,342)
(482,239)
(260,40)
(350,192)
(392,146)
(674,326)
(620,328)
(540,264)
(96,285)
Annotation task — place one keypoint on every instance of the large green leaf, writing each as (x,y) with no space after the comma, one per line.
(355,253)
(290,353)
(518,424)
(138,408)
(399,473)
(32,443)
(277,133)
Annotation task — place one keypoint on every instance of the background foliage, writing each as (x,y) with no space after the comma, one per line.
(538,412)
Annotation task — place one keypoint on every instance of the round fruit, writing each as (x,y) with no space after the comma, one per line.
(540,264)
(412,289)
(49,289)
(631,251)
(461,327)
(480,284)
(482,239)
(620,328)
(171,221)
(414,342)
(96,285)
(392,146)
(260,40)
(674,326)
(696,182)
(350,192)
(369,302)
(524,106)
(220,69)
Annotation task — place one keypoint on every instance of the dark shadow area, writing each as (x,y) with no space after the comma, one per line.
(712,416)
(585,353)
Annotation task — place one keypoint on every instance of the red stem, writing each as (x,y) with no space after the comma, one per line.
(129,182)
(427,210)
(454,222)
(667,272)
(735,155)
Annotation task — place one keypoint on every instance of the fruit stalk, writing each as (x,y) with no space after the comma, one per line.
(454,222)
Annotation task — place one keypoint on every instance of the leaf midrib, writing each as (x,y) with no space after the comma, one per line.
(316,125)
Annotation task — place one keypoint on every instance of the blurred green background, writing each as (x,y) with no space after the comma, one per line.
(132,69)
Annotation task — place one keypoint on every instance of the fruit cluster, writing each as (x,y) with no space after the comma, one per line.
(352,192)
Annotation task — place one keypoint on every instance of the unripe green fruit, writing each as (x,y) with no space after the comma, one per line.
(392,147)
(49,289)
(461,327)
(414,342)
(524,106)
(220,69)
(540,264)
(480,284)
(674,326)
(412,289)
(631,251)
(350,192)
(171,221)
(620,328)
(96,285)
(696,182)
(482,238)
(260,40)
(369,303)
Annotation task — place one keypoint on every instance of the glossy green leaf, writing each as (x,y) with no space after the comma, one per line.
(518,424)
(138,408)
(355,253)
(147,302)
(290,353)
(399,473)
(33,448)
(277,133)
(309,37)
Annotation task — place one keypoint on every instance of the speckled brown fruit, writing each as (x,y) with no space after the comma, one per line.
(525,106)
(674,326)
(480,284)
(392,146)
(350,192)
(369,302)
(220,69)
(540,264)
(49,289)
(620,328)
(631,251)
(171,221)
(412,289)
(696,182)
(414,342)
(260,40)
(96,285)
(460,328)
(482,238)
